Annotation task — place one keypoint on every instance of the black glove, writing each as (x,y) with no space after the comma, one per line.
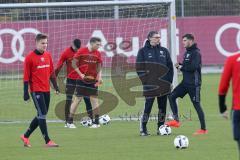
(221,102)
(54,83)
(26,96)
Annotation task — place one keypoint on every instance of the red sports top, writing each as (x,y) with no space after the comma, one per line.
(231,71)
(37,71)
(88,61)
(67,57)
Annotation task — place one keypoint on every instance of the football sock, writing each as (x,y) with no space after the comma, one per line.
(88,107)
(173,105)
(144,120)
(96,119)
(67,108)
(200,113)
(90,114)
(32,127)
(43,127)
(70,119)
(161,119)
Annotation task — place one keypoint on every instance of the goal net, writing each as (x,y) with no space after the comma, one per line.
(122,27)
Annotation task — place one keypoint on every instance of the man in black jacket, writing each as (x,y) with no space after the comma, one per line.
(155,70)
(191,83)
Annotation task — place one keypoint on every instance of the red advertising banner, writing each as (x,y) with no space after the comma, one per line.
(217,37)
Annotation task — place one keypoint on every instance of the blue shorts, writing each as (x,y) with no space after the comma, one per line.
(236,124)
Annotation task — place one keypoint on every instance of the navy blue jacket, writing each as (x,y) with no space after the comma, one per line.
(160,59)
(191,67)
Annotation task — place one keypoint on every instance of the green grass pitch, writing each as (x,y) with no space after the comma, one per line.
(119,140)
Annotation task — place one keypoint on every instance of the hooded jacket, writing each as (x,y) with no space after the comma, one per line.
(191,67)
(154,63)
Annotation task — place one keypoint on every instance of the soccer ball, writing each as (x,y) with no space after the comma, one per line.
(104,119)
(86,122)
(181,142)
(165,130)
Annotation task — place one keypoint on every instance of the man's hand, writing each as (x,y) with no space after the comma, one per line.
(178,66)
(221,103)
(225,114)
(26,96)
(222,106)
(82,76)
(57,91)
(99,83)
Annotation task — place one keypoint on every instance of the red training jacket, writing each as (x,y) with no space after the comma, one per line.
(88,62)
(67,57)
(37,71)
(231,72)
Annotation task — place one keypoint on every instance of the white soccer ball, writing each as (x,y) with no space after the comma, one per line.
(86,122)
(104,119)
(165,130)
(181,142)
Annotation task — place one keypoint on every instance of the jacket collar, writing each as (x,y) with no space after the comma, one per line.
(147,44)
(38,52)
(193,47)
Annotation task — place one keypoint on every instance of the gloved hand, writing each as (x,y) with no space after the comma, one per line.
(221,103)
(26,96)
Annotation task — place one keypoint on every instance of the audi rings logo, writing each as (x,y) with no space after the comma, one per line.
(17,37)
(219,34)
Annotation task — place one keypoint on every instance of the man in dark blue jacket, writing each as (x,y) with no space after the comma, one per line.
(191,83)
(155,70)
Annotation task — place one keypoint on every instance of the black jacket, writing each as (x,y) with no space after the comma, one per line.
(156,64)
(191,67)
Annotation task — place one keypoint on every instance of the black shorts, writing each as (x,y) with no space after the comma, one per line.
(236,124)
(86,89)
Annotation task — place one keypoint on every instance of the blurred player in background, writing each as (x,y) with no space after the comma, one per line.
(87,63)
(230,73)
(191,83)
(38,70)
(72,76)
